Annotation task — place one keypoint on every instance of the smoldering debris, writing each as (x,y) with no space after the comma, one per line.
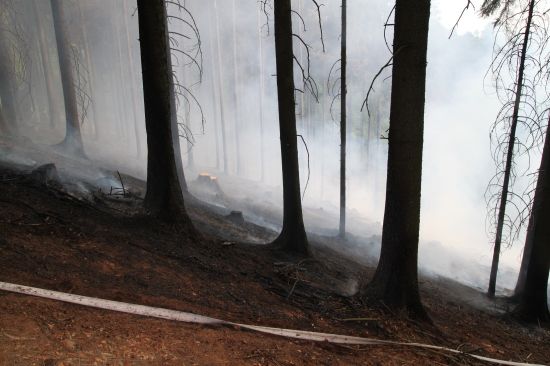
(45,174)
(207,188)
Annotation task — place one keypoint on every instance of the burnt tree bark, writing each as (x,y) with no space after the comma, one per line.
(533,302)
(509,155)
(164,197)
(73,138)
(293,235)
(527,251)
(395,282)
(343,131)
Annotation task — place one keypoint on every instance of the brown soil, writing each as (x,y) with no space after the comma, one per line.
(105,248)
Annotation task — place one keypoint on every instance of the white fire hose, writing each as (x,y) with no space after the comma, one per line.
(200,319)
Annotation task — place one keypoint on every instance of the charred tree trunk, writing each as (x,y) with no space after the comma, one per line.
(395,282)
(527,250)
(509,156)
(343,92)
(73,138)
(302,104)
(293,235)
(164,198)
(533,301)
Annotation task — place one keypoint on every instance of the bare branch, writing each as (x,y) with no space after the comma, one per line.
(468,4)
(389,63)
(320,23)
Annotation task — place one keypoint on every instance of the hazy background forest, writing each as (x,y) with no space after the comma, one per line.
(232,82)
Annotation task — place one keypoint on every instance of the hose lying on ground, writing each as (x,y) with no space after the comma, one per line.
(200,319)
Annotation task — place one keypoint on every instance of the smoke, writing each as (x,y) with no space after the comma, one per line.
(238,89)
(459,111)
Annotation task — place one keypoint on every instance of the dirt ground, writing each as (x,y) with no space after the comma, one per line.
(103,247)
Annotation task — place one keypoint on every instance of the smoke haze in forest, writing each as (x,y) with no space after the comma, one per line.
(234,79)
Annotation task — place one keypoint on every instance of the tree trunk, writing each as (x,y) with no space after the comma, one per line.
(133,87)
(3,122)
(533,301)
(343,92)
(53,108)
(527,250)
(121,82)
(164,198)
(73,139)
(8,88)
(509,156)
(236,96)
(293,235)
(213,94)
(221,86)
(301,58)
(395,282)
(91,70)
(261,96)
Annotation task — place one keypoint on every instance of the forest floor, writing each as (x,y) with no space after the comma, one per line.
(98,244)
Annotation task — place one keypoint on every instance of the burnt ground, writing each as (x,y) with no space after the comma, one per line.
(100,244)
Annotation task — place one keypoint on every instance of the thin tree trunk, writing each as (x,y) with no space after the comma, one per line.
(53,109)
(261,96)
(73,138)
(343,92)
(293,235)
(509,156)
(133,86)
(8,124)
(323,153)
(214,99)
(91,70)
(215,123)
(121,82)
(164,198)
(533,301)
(395,282)
(221,87)
(236,96)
